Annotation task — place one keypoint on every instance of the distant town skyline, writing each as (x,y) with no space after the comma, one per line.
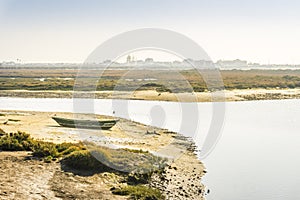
(131,59)
(69,30)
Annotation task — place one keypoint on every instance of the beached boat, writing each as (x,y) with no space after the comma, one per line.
(83,123)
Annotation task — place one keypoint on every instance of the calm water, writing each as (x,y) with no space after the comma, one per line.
(257,157)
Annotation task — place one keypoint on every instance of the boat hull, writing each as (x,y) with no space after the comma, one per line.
(88,124)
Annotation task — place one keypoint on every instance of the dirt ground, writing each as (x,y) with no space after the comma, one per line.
(25,178)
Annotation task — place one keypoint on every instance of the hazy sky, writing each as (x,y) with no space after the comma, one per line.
(69,30)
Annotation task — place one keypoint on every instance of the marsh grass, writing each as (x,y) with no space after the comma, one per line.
(21,141)
(131,161)
(95,159)
(139,192)
(166,82)
(16,142)
(88,156)
(138,163)
(83,160)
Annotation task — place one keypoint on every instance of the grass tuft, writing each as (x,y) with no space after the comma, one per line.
(139,192)
(21,141)
(83,160)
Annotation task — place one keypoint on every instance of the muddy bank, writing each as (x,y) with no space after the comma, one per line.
(227,95)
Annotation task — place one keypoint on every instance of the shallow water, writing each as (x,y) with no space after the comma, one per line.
(257,157)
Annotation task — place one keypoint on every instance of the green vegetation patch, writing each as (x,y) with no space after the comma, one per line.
(21,141)
(139,192)
(128,160)
(173,81)
(122,160)
(16,142)
(140,164)
(83,160)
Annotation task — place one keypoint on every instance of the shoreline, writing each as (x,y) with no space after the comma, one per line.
(126,133)
(153,95)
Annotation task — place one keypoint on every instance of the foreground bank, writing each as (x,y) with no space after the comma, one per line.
(179,179)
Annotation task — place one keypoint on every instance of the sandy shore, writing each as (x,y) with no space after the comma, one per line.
(227,95)
(182,180)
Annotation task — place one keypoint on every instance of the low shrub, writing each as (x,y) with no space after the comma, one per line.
(139,192)
(19,141)
(70,150)
(44,149)
(67,148)
(83,160)
(63,146)
(128,161)
(139,164)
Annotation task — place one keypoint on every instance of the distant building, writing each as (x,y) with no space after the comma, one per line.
(149,60)
(140,62)
(176,62)
(232,63)
(107,61)
(9,63)
(204,64)
(188,60)
(129,59)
